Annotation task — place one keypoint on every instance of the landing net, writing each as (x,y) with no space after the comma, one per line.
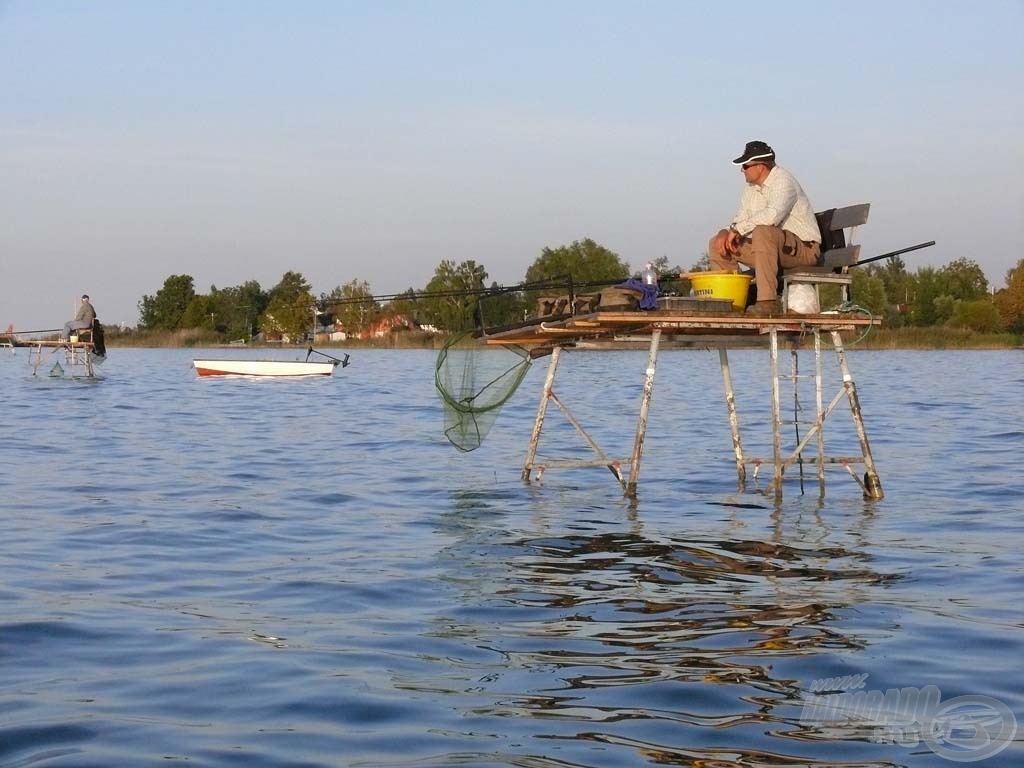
(474,382)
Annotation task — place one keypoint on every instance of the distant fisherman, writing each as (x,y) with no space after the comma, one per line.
(83,319)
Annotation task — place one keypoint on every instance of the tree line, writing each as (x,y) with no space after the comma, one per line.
(458,297)
(450,302)
(955,295)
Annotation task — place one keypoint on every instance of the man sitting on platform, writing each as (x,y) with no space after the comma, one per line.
(774,227)
(83,318)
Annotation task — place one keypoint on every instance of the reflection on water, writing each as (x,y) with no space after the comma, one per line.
(606,635)
(305,574)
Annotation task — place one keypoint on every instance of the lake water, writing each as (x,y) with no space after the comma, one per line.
(305,573)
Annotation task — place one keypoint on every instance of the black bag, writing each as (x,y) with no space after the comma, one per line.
(830,238)
(98,344)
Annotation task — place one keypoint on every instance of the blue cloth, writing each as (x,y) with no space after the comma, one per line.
(648,293)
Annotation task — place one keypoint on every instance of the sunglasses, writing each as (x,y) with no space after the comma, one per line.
(750,165)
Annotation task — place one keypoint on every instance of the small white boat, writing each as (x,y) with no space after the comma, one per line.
(305,367)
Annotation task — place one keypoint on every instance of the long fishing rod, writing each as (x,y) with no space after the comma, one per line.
(562,282)
(889,255)
(417,295)
(28,333)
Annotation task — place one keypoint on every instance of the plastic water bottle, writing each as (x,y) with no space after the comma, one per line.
(650,275)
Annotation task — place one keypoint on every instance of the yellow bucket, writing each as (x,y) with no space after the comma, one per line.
(722,285)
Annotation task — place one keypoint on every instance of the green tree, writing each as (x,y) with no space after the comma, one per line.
(584,260)
(944,306)
(868,291)
(976,314)
(238,308)
(500,307)
(410,304)
(663,268)
(893,274)
(964,279)
(927,285)
(163,311)
(200,313)
(703,264)
(291,307)
(351,304)
(454,309)
(1010,300)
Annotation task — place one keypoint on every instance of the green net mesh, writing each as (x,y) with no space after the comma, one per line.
(474,382)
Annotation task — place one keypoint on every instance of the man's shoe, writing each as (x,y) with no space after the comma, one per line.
(768,308)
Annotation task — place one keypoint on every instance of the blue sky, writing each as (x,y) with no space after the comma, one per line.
(235,140)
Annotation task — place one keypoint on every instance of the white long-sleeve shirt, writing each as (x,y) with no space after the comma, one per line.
(779,202)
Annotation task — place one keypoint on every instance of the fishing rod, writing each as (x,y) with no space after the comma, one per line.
(561,281)
(889,255)
(29,333)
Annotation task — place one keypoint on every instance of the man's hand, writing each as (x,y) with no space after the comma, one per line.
(723,243)
(732,242)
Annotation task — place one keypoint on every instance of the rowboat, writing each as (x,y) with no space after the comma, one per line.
(307,367)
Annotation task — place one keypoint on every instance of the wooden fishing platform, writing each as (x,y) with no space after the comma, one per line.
(716,330)
(80,357)
(719,327)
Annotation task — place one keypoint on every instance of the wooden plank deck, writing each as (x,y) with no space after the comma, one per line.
(47,344)
(721,329)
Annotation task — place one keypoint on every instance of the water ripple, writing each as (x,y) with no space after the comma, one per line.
(305,574)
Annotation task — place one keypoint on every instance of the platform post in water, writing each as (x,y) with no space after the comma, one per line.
(542,408)
(734,419)
(718,330)
(78,356)
(548,393)
(872,486)
(645,405)
(818,411)
(777,464)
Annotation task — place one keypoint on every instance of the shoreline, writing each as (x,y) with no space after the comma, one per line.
(875,342)
(906,338)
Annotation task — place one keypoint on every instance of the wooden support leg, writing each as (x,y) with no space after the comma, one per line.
(734,419)
(645,404)
(872,485)
(794,377)
(820,413)
(538,423)
(776,414)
